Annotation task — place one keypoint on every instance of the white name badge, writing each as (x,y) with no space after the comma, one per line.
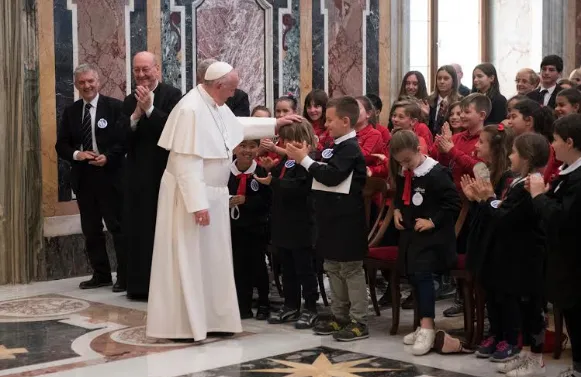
(417,199)
(254,185)
(327,153)
(289,164)
(102,123)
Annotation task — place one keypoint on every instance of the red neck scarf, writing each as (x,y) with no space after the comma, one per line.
(407,188)
(242,178)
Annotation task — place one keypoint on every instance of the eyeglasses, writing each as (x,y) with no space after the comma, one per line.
(145,70)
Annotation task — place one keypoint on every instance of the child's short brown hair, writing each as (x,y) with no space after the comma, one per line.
(346,106)
(410,108)
(480,101)
(299,132)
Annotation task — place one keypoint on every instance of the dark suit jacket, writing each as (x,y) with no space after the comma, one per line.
(110,140)
(463,90)
(536,95)
(239,103)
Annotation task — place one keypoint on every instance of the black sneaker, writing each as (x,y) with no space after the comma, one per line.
(284,315)
(306,320)
(385,300)
(96,282)
(353,331)
(408,303)
(263,313)
(328,327)
(246,314)
(455,310)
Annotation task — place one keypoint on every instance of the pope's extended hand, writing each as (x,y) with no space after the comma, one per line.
(286,120)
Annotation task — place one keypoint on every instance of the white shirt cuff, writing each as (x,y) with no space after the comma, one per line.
(133,123)
(307,162)
(75,154)
(149,111)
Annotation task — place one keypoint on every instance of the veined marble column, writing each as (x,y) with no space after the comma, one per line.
(20,180)
(559,31)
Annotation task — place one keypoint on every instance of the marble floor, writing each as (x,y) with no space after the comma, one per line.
(53,328)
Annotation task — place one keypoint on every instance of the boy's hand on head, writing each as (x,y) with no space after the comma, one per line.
(265,180)
(297,153)
(423,225)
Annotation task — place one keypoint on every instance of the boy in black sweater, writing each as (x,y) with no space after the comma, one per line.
(560,207)
(249,207)
(340,218)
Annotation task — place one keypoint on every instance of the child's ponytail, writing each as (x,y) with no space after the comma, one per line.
(500,147)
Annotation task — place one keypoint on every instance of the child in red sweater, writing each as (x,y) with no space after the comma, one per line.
(314,111)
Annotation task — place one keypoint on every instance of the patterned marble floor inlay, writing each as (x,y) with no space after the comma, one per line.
(325,362)
(52,333)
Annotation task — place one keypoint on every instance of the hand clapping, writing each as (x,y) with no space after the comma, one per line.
(535,185)
(297,153)
(264,180)
(268,163)
(144,101)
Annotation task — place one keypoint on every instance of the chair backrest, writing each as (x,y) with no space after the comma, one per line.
(462,216)
(374,186)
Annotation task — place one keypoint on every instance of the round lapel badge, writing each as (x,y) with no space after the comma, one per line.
(254,185)
(289,164)
(102,123)
(495,203)
(417,199)
(327,153)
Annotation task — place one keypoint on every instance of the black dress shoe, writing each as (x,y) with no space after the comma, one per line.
(95,283)
(137,296)
(119,287)
(220,334)
(263,313)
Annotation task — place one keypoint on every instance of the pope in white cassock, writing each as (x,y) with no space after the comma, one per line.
(192,289)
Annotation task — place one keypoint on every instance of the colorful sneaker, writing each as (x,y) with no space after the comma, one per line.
(284,315)
(486,348)
(352,331)
(511,365)
(532,367)
(328,327)
(306,320)
(424,342)
(504,352)
(456,310)
(410,339)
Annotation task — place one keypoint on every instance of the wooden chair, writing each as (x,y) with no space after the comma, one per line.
(559,319)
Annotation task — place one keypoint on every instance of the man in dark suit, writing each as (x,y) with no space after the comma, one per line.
(546,93)
(238,103)
(462,89)
(90,139)
(145,112)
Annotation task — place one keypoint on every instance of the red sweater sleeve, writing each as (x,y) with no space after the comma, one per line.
(552,168)
(372,144)
(423,131)
(462,160)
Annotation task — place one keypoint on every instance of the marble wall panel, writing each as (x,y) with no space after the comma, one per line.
(287,51)
(345,46)
(138,30)
(173,44)
(578,33)
(517,39)
(372,48)
(319,31)
(234,31)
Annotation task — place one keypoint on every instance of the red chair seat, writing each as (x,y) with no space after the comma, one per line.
(385,253)
(461,262)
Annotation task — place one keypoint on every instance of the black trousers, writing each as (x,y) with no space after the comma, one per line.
(99,198)
(573,321)
(248,254)
(509,315)
(423,284)
(298,272)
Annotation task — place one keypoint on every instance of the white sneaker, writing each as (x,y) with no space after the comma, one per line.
(410,339)
(424,342)
(511,364)
(530,368)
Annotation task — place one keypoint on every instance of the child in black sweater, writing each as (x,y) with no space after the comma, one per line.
(292,229)
(426,207)
(560,206)
(249,207)
(340,218)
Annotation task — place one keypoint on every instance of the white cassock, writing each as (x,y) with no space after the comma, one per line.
(192,290)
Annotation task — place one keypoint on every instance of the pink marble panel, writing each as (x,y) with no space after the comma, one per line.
(234,31)
(345,43)
(101,36)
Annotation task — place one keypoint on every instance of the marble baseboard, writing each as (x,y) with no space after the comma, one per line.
(65,257)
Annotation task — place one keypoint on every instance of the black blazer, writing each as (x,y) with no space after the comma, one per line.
(463,90)
(498,111)
(560,207)
(434,196)
(292,208)
(239,103)
(110,140)
(536,96)
(340,218)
